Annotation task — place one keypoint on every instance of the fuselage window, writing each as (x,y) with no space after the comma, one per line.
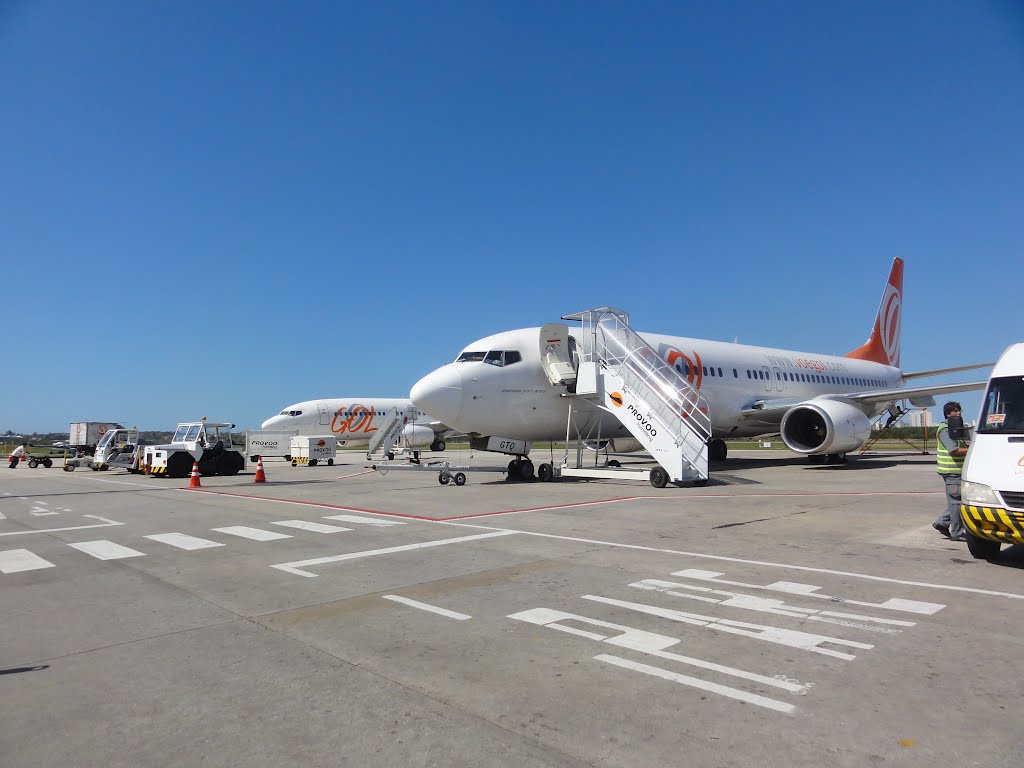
(704,368)
(748,374)
(719,371)
(735,373)
(712,371)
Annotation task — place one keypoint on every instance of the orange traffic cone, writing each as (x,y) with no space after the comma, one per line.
(261,477)
(194,482)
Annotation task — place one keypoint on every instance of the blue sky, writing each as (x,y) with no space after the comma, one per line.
(223,208)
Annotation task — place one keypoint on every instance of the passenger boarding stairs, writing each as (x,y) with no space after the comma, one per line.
(383,442)
(623,375)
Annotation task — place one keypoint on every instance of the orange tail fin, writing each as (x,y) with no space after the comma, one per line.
(883,345)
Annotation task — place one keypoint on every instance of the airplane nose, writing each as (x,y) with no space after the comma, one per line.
(271,422)
(439,393)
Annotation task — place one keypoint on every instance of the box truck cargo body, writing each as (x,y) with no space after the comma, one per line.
(86,434)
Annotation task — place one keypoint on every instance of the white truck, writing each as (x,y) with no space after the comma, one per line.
(313,450)
(85,435)
(992,488)
(203,442)
(267,442)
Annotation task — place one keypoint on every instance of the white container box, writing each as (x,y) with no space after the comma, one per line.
(265,442)
(319,449)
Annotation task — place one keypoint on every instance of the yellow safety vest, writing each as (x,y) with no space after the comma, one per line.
(946,462)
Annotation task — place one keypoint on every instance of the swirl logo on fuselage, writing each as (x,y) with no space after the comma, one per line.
(358,418)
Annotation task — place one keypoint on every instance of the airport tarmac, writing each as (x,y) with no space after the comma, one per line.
(784,615)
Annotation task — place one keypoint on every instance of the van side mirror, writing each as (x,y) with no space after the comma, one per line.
(956,428)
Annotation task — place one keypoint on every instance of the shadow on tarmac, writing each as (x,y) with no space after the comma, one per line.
(19,670)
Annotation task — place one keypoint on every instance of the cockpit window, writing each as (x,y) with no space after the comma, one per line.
(496,357)
(291,413)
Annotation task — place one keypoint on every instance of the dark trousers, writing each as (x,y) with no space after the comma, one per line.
(14,462)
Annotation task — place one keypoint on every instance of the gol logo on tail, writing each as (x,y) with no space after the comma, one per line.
(616,398)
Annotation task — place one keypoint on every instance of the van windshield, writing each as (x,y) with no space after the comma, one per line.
(1003,410)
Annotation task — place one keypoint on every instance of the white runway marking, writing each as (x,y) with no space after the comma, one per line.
(651,644)
(183,541)
(706,556)
(805,641)
(768,605)
(296,567)
(424,607)
(305,525)
(810,590)
(704,685)
(3,516)
(256,534)
(106,550)
(105,524)
(41,512)
(362,520)
(14,560)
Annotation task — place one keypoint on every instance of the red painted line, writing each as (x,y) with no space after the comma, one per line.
(561,506)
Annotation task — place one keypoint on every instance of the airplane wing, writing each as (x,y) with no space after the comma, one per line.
(939,371)
(770,411)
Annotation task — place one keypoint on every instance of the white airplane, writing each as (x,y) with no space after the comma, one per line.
(355,420)
(821,405)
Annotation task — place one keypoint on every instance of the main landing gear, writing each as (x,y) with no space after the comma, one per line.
(827,458)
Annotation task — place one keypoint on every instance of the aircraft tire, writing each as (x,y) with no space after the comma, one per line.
(391,455)
(659,477)
(717,449)
(513,470)
(981,549)
(526,470)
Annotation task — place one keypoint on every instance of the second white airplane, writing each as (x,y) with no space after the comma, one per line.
(355,420)
(508,385)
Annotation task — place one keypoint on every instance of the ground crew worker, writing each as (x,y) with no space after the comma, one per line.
(949,459)
(18,454)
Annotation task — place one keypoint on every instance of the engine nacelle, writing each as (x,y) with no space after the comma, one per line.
(417,436)
(824,426)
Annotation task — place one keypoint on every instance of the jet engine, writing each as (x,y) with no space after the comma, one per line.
(417,436)
(616,445)
(824,426)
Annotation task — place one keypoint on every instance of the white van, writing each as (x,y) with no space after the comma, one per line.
(992,494)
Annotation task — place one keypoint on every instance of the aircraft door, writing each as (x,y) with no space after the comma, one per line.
(557,353)
(325,413)
(779,383)
(767,374)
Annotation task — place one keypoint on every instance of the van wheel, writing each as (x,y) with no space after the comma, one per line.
(982,549)
(659,477)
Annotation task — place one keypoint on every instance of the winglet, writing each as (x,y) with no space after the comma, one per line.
(883,345)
